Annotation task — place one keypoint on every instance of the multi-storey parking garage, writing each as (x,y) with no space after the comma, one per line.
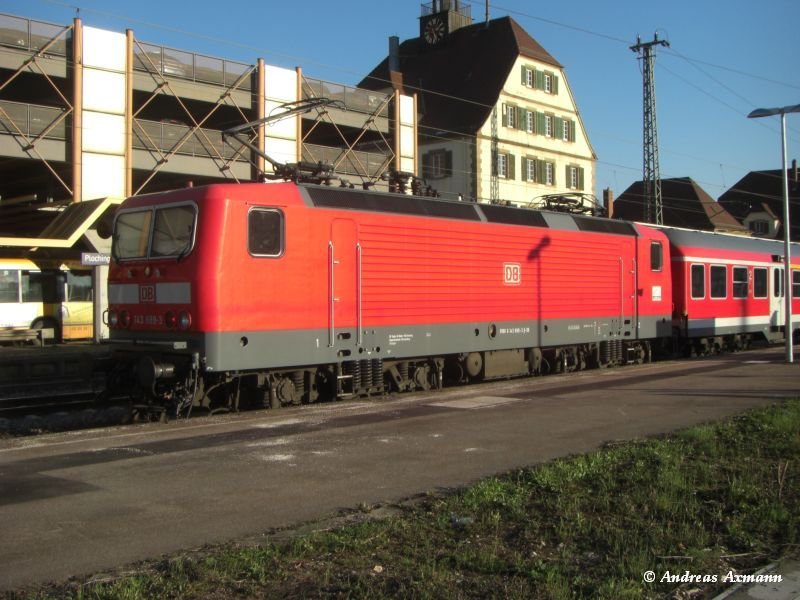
(90,116)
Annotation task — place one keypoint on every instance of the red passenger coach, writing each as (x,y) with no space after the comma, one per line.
(291,292)
(729,289)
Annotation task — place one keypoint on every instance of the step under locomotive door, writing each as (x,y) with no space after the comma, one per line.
(343,284)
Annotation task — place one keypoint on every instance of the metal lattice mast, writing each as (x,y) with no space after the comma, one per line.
(651,176)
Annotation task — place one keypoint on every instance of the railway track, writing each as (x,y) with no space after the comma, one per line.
(59,388)
(55,388)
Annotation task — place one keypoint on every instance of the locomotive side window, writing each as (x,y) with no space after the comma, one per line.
(760,283)
(265,232)
(698,281)
(656,256)
(740,282)
(719,281)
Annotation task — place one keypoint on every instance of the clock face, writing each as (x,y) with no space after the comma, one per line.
(434,30)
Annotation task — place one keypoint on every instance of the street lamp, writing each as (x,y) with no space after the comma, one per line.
(787,261)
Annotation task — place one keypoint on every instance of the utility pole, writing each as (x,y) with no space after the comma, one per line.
(651,176)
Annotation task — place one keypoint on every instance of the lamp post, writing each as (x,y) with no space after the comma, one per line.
(787,260)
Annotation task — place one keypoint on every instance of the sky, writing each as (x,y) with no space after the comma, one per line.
(726,57)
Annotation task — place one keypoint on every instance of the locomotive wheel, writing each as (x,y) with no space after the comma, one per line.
(474,364)
(286,392)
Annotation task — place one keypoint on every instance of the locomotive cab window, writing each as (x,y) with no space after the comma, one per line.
(698,282)
(265,232)
(719,281)
(159,232)
(740,282)
(656,256)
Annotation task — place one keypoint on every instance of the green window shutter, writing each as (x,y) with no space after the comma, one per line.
(427,165)
(555,84)
(523,163)
(521,118)
(540,168)
(524,75)
(559,128)
(505,115)
(448,163)
(555,179)
(566,175)
(540,128)
(511,159)
(572,131)
(539,79)
(494,164)
(580,178)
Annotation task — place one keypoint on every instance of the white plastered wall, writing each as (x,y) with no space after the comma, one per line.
(103,139)
(280,137)
(408,134)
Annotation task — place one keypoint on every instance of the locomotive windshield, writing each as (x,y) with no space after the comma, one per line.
(154,232)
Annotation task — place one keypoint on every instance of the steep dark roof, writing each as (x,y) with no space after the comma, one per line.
(759,188)
(472,63)
(684,204)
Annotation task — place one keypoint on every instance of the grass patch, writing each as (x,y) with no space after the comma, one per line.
(708,500)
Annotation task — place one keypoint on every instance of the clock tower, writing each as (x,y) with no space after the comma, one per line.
(440,18)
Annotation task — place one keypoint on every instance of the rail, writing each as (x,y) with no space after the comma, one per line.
(28,34)
(32,120)
(353,98)
(354,162)
(170,62)
(164,136)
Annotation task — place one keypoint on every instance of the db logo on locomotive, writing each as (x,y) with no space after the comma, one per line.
(147,293)
(512,274)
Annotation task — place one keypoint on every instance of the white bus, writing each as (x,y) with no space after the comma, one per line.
(45,296)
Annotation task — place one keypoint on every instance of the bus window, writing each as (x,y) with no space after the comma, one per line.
(9,285)
(41,286)
(79,286)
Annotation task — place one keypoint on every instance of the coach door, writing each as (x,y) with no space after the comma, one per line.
(343,283)
(776,300)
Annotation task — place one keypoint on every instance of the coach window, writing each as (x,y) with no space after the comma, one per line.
(740,282)
(265,232)
(760,284)
(656,256)
(698,282)
(719,281)
(795,284)
(777,283)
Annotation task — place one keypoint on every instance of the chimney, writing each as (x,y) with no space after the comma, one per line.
(608,202)
(394,53)
(395,75)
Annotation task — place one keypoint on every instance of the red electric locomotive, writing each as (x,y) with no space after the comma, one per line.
(283,293)
(729,289)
